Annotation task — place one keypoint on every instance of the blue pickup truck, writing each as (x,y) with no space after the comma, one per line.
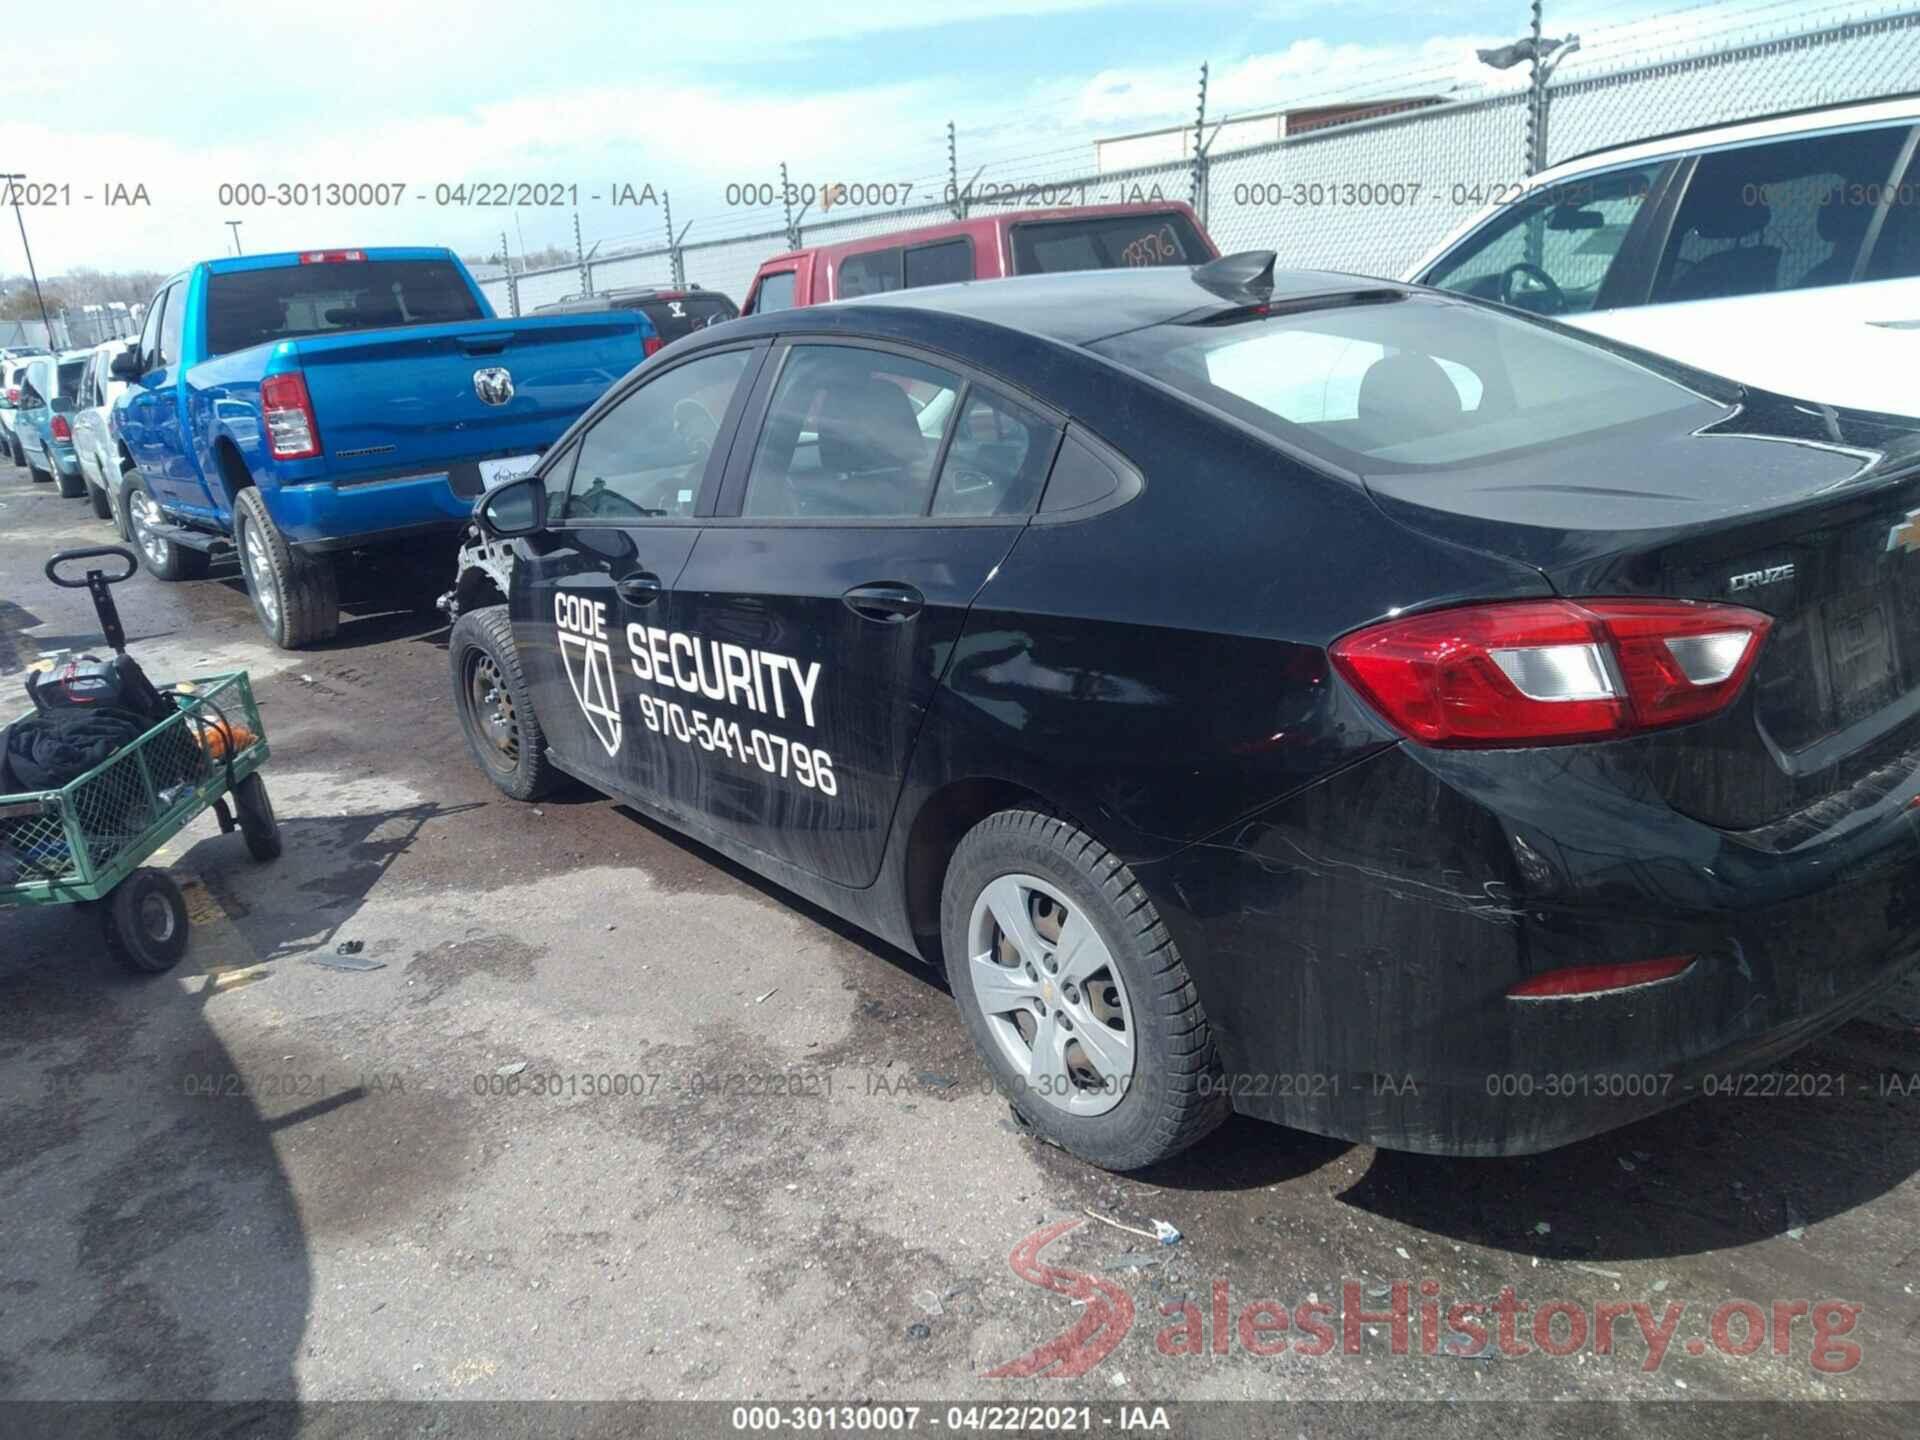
(298,406)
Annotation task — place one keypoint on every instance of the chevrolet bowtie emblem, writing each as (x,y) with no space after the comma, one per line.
(1905,535)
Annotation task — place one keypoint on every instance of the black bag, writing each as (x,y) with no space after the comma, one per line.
(47,749)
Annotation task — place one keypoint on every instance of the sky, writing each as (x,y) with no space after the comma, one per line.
(177,100)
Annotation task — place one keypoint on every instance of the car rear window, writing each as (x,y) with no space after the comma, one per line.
(1109,242)
(253,307)
(683,314)
(71,372)
(1408,382)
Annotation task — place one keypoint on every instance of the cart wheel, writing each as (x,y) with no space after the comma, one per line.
(146,922)
(255,809)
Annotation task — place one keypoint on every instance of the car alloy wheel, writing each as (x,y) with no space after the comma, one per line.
(260,577)
(1052,995)
(145,516)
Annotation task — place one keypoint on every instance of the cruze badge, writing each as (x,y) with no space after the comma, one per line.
(1752,579)
(581,626)
(494,385)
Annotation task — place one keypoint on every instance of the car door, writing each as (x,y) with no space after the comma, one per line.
(36,385)
(1780,266)
(140,414)
(817,614)
(86,415)
(623,500)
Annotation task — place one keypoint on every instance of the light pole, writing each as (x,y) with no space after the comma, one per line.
(1543,55)
(234,225)
(13,189)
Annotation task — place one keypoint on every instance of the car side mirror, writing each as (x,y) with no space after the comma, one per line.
(516,507)
(126,365)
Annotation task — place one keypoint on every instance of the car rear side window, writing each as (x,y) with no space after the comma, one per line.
(851,433)
(775,293)
(874,273)
(997,461)
(1896,253)
(1108,242)
(1782,216)
(1552,252)
(1405,383)
(946,263)
(253,307)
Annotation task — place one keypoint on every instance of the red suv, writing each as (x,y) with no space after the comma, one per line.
(985,247)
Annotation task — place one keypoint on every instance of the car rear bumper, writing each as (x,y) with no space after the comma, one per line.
(1354,946)
(325,516)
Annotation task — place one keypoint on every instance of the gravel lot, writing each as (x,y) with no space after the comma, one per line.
(614,1119)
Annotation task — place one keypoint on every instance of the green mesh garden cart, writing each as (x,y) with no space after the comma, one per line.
(86,841)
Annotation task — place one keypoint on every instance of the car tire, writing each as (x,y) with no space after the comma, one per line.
(97,498)
(159,556)
(1132,985)
(117,503)
(146,922)
(496,708)
(295,595)
(253,808)
(72,487)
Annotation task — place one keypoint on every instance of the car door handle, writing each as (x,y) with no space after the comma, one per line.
(641,589)
(885,601)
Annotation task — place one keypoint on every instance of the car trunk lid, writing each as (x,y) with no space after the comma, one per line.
(1810,515)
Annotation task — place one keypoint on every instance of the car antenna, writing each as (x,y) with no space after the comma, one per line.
(1237,276)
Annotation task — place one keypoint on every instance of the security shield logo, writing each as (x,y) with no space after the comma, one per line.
(581,628)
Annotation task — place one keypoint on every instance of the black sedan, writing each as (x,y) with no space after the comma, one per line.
(1299,694)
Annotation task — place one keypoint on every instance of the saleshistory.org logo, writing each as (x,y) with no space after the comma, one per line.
(1507,1326)
(582,628)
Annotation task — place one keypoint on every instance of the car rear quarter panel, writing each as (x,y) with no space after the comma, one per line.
(1161,669)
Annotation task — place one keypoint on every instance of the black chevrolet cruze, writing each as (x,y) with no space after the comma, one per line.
(1299,694)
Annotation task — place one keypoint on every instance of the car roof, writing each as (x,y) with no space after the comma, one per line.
(1078,307)
(984,228)
(1808,121)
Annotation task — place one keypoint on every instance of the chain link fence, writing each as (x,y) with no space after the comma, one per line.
(1369,196)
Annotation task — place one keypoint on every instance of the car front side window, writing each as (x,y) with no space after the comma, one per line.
(1553,251)
(646,456)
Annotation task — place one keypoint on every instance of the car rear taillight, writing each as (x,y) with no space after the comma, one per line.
(1541,672)
(60,428)
(291,431)
(651,346)
(330,257)
(13,394)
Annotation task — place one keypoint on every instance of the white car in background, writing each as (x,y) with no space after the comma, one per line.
(1784,252)
(93,439)
(13,364)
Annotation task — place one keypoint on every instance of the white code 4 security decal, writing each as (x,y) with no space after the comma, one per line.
(764,683)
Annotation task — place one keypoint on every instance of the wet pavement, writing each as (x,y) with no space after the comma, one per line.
(614,1119)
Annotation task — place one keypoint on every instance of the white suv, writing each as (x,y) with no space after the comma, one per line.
(1783,252)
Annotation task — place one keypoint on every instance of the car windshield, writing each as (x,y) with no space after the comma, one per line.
(1406,382)
(252,307)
